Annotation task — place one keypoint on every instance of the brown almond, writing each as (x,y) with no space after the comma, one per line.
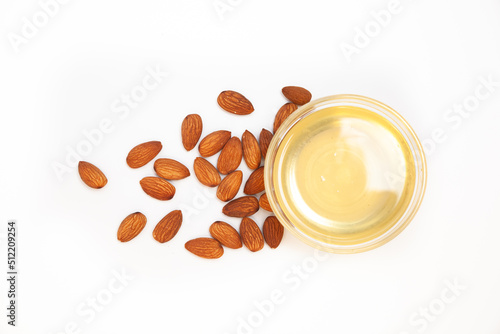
(207,248)
(168,227)
(158,188)
(264,202)
(286,110)
(191,129)
(251,235)
(297,95)
(241,207)
(225,234)
(230,186)
(171,169)
(273,231)
(143,153)
(206,173)
(235,103)
(251,150)
(91,175)
(230,156)
(255,182)
(264,141)
(213,143)
(131,226)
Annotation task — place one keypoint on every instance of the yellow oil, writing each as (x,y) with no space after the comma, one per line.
(344,175)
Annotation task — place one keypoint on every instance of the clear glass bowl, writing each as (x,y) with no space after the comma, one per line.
(397,121)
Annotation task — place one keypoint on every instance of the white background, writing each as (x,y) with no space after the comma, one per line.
(64,79)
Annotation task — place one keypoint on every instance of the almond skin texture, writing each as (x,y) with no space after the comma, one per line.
(225,234)
(207,248)
(158,188)
(264,203)
(168,227)
(171,169)
(143,153)
(273,231)
(286,110)
(251,235)
(191,129)
(213,143)
(255,182)
(131,226)
(206,173)
(91,175)
(241,207)
(251,150)
(230,186)
(264,141)
(297,95)
(235,103)
(230,156)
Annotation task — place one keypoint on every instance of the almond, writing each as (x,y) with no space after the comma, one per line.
(207,248)
(91,175)
(286,110)
(297,95)
(225,234)
(230,186)
(158,188)
(168,227)
(264,141)
(171,169)
(251,235)
(241,207)
(131,226)
(206,172)
(251,150)
(255,182)
(191,129)
(273,231)
(143,153)
(235,103)
(264,203)
(230,156)
(213,143)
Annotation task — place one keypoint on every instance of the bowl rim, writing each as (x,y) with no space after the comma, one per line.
(395,119)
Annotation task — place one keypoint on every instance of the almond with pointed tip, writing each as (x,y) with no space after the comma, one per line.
(206,173)
(143,153)
(168,227)
(213,143)
(207,248)
(297,95)
(264,141)
(230,186)
(251,235)
(225,234)
(191,129)
(170,169)
(235,103)
(255,182)
(251,150)
(273,231)
(230,156)
(241,207)
(158,188)
(264,202)
(91,175)
(286,110)
(131,226)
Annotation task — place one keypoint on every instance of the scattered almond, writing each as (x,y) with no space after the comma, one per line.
(225,234)
(143,153)
(206,173)
(241,207)
(171,169)
(230,186)
(264,202)
(168,227)
(251,235)
(207,248)
(297,95)
(91,175)
(264,141)
(191,129)
(213,143)
(131,226)
(235,103)
(286,110)
(158,188)
(255,182)
(230,156)
(251,150)
(273,231)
